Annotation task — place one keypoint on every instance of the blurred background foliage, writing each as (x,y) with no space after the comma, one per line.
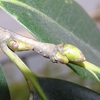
(19,91)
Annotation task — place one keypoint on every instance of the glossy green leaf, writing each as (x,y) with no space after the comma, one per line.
(56,89)
(4,91)
(58,21)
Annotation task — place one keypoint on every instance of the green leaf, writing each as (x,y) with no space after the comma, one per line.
(56,89)
(4,91)
(58,21)
(84,73)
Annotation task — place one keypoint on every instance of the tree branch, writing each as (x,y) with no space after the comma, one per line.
(62,53)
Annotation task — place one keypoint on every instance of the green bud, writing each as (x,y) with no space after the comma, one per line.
(58,57)
(73,53)
(17,45)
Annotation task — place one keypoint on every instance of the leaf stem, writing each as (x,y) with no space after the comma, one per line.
(32,77)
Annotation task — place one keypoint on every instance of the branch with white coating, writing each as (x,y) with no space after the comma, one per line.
(62,53)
